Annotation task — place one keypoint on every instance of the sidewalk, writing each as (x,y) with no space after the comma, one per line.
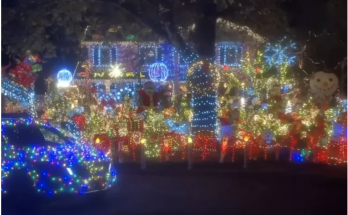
(254,167)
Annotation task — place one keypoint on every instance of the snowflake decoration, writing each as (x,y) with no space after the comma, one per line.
(280,53)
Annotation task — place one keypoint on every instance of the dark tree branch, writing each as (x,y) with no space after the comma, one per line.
(228,12)
(139,18)
(167,29)
(204,33)
(173,33)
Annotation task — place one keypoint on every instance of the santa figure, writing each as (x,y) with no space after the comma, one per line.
(148,98)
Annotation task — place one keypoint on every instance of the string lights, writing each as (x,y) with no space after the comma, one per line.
(65,168)
(238,85)
(203,82)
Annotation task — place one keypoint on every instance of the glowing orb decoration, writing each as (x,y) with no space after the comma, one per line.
(158,72)
(64,78)
(116,71)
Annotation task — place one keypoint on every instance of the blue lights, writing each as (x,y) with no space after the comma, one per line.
(280,53)
(103,56)
(286,89)
(119,93)
(54,168)
(150,54)
(203,81)
(178,128)
(229,54)
(344,105)
(64,78)
(298,155)
(158,72)
(14,91)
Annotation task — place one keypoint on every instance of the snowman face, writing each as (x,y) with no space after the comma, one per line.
(324,83)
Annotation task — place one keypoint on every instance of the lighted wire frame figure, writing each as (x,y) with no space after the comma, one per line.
(280,54)
(158,72)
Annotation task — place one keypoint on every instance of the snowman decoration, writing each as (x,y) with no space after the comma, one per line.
(323,85)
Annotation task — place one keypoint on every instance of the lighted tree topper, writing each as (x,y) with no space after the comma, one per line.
(158,72)
(64,78)
(280,53)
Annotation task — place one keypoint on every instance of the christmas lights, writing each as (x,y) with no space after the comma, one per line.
(252,103)
(63,168)
(280,54)
(64,78)
(158,72)
(18,93)
(229,54)
(203,82)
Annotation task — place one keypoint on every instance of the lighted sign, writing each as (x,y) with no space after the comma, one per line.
(104,75)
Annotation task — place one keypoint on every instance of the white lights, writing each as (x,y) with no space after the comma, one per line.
(229,54)
(288,108)
(158,72)
(242,102)
(116,71)
(69,171)
(64,78)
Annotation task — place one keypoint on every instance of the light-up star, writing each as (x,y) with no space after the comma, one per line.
(280,53)
(116,71)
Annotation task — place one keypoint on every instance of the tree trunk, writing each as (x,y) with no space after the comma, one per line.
(204,104)
(204,34)
(3,105)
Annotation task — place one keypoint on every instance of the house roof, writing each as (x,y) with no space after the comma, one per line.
(227,31)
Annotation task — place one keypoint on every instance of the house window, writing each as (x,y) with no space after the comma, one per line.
(229,54)
(103,56)
(113,57)
(150,55)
